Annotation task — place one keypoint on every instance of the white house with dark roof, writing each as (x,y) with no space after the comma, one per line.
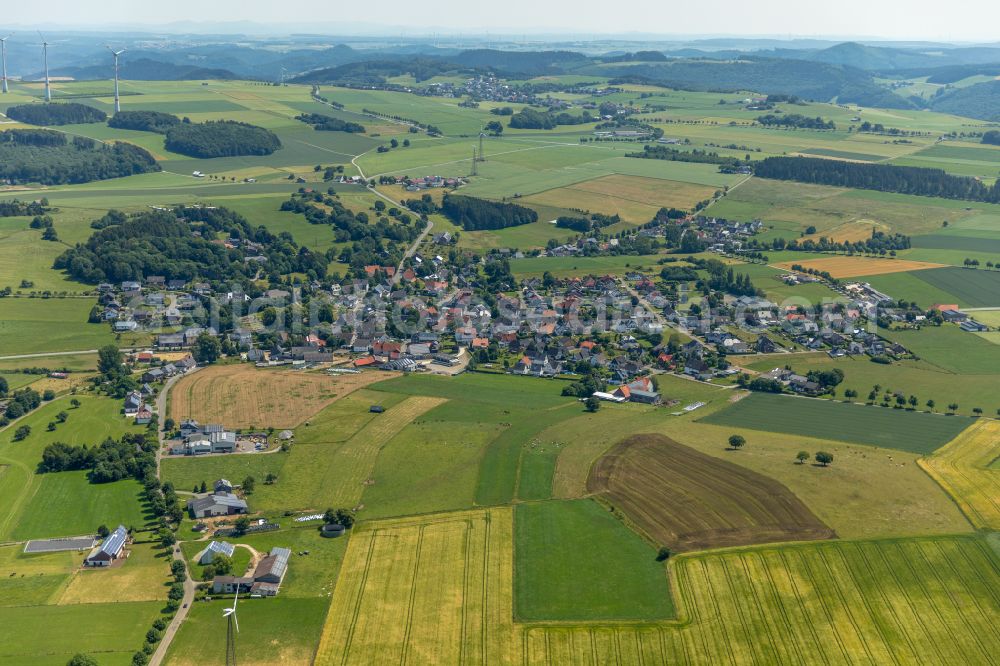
(112,548)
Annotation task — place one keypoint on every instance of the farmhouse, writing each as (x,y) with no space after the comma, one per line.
(216,504)
(265,581)
(111,549)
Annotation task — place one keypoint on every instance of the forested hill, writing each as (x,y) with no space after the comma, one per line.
(978,101)
(51,158)
(166,243)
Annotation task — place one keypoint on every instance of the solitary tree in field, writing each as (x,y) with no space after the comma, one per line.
(663,554)
(592,404)
(913,401)
(736,442)
(81,659)
(930,405)
(802,457)
(953,407)
(824,458)
(978,411)
(248,485)
(74,403)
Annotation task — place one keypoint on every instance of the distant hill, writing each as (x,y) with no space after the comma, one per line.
(980,101)
(808,80)
(144,69)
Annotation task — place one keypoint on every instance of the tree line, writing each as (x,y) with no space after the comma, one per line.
(880,177)
(796,120)
(220,138)
(67,113)
(145,121)
(585,225)
(18,208)
(674,155)
(50,158)
(475,214)
(991,137)
(330,124)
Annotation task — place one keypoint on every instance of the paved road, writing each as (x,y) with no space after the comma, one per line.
(161,411)
(175,624)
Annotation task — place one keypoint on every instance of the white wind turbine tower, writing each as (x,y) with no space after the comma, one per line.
(118,102)
(45,58)
(230,614)
(3,59)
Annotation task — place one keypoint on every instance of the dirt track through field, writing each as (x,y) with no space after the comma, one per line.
(690,501)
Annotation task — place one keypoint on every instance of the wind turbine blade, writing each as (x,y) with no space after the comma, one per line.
(236,622)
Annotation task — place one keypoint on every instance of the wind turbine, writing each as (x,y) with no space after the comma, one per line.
(45,58)
(3,59)
(118,102)
(230,614)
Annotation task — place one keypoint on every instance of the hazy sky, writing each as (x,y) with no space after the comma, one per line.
(957,20)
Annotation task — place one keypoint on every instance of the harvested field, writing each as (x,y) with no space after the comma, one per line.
(689,500)
(849,232)
(847,267)
(963,468)
(242,396)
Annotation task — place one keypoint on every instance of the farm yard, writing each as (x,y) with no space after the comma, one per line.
(241,396)
(691,501)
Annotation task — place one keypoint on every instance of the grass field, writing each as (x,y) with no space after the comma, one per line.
(965,467)
(63,503)
(144,576)
(573,560)
(691,501)
(970,288)
(241,396)
(850,267)
(890,428)
(950,348)
(111,632)
(282,630)
(31,325)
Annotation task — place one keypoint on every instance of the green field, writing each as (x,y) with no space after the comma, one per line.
(889,428)
(950,348)
(64,503)
(576,561)
(31,325)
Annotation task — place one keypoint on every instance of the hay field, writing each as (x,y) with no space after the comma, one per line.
(689,500)
(435,589)
(848,267)
(963,468)
(242,396)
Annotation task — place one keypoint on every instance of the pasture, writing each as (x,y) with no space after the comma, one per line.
(970,288)
(951,349)
(965,469)
(915,432)
(32,325)
(573,560)
(692,501)
(242,396)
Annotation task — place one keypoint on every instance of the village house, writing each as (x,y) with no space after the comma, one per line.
(216,504)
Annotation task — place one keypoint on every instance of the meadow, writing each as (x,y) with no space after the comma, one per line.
(951,349)
(915,432)
(32,325)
